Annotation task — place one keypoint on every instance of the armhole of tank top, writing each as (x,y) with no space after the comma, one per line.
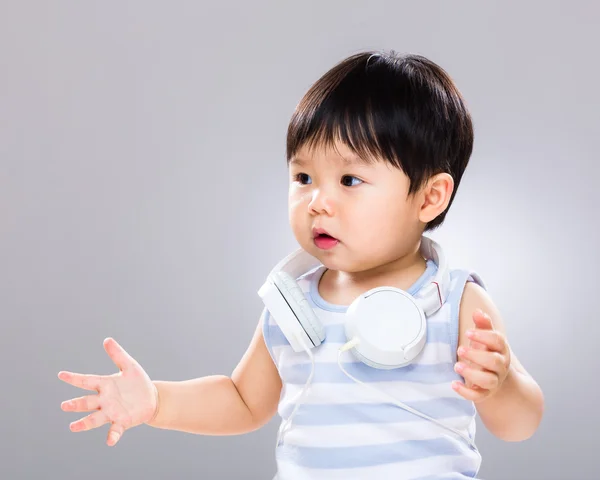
(464,276)
(265,316)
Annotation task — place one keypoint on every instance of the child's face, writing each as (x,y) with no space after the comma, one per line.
(364,206)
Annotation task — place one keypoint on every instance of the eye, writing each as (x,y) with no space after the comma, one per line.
(347,180)
(303,178)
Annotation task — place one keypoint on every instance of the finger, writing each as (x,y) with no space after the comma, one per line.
(475,388)
(81,380)
(492,339)
(477,316)
(488,360)
(81,404)
(93,420)
(477,345)
(481,378)
(482,320)
(469,393)
(114,434)
(118,354)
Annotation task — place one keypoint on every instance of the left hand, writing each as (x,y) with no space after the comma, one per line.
(486,369)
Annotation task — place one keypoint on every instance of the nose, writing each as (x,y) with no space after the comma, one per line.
(321,202)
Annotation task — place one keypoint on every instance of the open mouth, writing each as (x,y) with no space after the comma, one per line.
(324,235)
(323,240)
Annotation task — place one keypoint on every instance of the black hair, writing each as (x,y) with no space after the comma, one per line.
(402,108)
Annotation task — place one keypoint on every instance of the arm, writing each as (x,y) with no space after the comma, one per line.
(221,405)
(514,411)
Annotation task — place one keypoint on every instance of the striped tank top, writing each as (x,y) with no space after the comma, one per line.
(344,430)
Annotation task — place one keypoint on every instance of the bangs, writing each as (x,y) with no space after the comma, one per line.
(328,125)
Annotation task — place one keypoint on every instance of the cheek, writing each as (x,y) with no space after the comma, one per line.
(381,219)
(295,200)
(297,206)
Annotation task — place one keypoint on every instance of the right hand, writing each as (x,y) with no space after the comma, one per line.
(125,399)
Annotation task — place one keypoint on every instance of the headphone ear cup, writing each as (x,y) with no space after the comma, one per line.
(297,301)
(389,325)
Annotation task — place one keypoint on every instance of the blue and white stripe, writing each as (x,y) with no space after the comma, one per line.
(344,430)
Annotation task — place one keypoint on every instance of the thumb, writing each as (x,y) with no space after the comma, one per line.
(482,320)
(115,433)
(118,354)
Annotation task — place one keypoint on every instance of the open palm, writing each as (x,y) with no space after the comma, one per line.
(124,399)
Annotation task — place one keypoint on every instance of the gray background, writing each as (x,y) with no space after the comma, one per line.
(144,196)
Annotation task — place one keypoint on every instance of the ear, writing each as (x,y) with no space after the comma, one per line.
(435,196)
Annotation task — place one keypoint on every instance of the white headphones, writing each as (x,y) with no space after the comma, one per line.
(386,327)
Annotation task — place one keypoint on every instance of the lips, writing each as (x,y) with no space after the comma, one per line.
(321,232)
(323,239)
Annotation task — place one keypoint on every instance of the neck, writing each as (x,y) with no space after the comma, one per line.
(401,272)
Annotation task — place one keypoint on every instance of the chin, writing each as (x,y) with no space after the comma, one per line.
(333,259)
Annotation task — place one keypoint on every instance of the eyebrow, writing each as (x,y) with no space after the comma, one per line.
(353,160)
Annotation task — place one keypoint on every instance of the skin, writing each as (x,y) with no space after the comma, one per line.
(379,226)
